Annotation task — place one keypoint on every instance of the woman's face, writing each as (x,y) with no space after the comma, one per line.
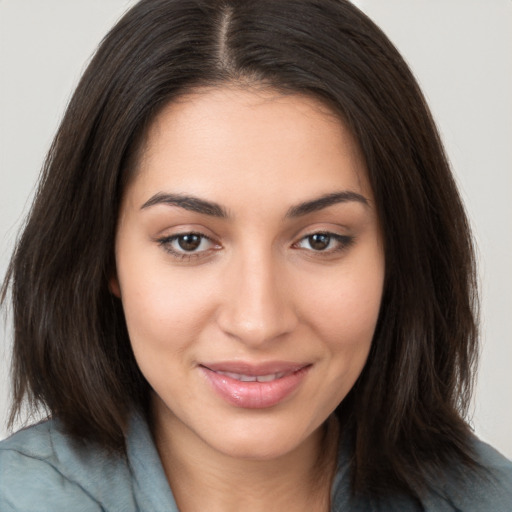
(250,267)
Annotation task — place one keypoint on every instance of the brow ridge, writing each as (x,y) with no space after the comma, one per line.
(187,202)
(213,209)
(324,202)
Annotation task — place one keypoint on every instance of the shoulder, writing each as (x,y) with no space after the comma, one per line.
(458,489)
(41,468)
(488,488)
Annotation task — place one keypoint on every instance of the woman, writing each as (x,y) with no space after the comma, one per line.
(247,279)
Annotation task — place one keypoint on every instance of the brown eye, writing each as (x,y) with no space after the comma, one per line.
(189,242)
(185,245)
(319,241)
(326,243)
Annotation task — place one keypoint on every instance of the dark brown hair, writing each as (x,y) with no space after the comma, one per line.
(71,349)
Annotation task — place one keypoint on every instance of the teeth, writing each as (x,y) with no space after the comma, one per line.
(267,378)
(247,378)
(252,378)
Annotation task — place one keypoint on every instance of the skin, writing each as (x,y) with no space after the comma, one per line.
(256,289)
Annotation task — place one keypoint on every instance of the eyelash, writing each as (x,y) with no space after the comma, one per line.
(166,244)
(343,243)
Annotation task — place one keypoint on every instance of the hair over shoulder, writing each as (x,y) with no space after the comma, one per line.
(72,354)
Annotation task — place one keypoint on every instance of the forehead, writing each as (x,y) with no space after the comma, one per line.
(236,140)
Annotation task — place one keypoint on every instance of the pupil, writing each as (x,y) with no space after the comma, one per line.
(319,241)
(189,242)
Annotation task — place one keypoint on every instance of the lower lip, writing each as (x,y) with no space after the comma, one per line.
(255,395)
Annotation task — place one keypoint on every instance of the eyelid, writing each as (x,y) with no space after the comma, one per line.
(344,242)
(166,243)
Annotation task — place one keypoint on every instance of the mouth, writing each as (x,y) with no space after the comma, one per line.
(253,378)
(255,386)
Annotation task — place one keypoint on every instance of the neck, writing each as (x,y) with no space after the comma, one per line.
(203,478)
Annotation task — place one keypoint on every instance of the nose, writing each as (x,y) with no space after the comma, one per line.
(257,303)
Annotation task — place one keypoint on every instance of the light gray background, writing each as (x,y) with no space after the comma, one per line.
(460,51)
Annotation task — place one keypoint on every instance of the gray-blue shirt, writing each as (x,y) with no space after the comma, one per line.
(42,469)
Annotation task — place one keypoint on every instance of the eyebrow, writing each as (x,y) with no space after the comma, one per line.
(191,203)
(324,202)
(195,204)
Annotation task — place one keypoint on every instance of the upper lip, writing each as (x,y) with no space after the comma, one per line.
(255,369)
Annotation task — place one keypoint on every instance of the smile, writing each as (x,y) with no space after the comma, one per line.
(255,386)
(253,378)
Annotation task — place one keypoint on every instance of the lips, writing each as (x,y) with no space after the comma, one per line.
(255,386)
(253,378)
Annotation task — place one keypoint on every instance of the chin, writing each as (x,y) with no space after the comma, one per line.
(261,442)
(256,450)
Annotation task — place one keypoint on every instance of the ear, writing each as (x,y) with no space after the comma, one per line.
(113,286)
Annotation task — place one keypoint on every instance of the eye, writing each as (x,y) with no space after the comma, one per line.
(187,245)
(324,242)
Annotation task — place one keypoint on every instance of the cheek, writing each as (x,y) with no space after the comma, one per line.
(164,316)
(345,310)
(163,310)
(342,308)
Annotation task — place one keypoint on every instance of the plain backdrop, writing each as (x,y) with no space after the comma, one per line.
(460,51)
